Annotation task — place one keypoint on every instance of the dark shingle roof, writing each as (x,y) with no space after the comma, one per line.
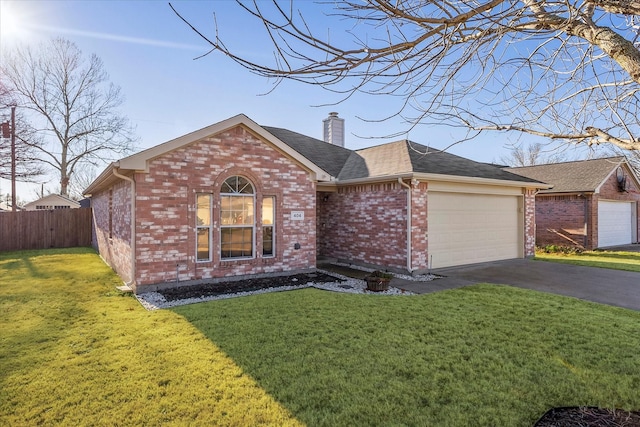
(570,177)
(330,158)
(410,157)
(388,159)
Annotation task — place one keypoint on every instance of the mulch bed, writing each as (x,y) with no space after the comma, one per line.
(246,285)
(585,416)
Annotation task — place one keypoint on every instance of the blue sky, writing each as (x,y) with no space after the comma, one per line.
(150,53)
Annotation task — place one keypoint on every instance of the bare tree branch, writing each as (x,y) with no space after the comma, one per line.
(560,69)
(74,108)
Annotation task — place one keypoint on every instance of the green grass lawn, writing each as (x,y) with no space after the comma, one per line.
(629,261)
(73,351)
(484,355)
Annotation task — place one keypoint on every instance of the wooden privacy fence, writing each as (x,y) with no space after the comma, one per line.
(58,228)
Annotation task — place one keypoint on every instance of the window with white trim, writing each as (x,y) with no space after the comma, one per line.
(237,218)
(268,226)
(203,227)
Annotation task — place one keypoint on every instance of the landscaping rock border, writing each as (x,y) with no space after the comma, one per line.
(324,280)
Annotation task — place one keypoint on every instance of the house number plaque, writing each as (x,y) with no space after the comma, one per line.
(297,215)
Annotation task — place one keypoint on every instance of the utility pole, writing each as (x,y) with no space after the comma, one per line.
(13,158)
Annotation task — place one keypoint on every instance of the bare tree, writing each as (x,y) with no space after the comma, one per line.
(567,70)
(84,175)
(73,106)
(533,154)
(27,167)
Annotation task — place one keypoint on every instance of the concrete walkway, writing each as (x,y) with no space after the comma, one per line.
(605,286)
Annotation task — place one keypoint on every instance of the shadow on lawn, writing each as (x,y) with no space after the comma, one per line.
(483,355)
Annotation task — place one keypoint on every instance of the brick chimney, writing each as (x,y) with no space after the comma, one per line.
(333,129)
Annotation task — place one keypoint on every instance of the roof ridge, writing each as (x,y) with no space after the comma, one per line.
(619,158)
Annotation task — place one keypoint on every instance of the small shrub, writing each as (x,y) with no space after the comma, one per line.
(381,274)
(560,249)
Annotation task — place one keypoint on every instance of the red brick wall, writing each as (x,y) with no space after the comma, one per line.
(165,209)
(562,220)
(529,223)
(572,220)
(115,249)
(364,224)
(419,224)
(609,189)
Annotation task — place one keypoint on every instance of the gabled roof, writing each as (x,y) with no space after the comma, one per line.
(53,200)
(140,161)
(392,159)
(331,163)
(405,156)
(582,176)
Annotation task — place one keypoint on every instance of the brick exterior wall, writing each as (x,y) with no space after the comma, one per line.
(353,220)
(419,226)
(572,219)
(112,236)
(166,210)
(364,224)
(562,220)
(529,222)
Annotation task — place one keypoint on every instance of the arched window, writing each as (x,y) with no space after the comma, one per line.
(237,218)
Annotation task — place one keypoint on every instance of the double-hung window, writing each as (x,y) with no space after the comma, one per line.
(237,222)
(203,227)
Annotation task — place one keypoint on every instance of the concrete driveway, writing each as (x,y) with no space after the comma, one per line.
(613,287)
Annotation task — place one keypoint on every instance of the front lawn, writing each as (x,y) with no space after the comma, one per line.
(73,351)
(629,261)
(485,355)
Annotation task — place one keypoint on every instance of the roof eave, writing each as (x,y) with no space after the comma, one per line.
(99,181)
(371,179)
(139,162)
(565,192)
(437,177)
(476,180)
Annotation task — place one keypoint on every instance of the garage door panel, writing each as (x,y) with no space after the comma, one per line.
(471,228)
(615,221)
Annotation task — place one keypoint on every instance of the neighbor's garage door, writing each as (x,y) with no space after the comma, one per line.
(615,221)
(471,228)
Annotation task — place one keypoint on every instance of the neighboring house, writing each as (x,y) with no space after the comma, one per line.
(593,203)
(236,199)
(51,202)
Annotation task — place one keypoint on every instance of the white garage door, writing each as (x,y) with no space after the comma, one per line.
(472,228)
(615,221)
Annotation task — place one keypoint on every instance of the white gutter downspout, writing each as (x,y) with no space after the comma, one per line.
(133,224)
(409,247)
